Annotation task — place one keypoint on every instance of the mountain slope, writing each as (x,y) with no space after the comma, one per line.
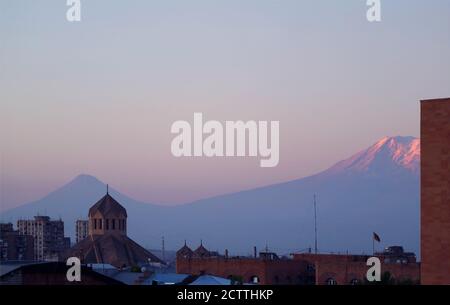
(377,189)
(390,154)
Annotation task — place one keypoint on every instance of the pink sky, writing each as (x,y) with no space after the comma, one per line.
(99,97)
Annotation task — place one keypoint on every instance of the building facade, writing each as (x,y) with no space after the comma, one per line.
(49,240)
(265,269)
(300,268)
(435,191)
(14,246)
(348,269)
(81,230)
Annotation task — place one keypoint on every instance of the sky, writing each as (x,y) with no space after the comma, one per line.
(99,96)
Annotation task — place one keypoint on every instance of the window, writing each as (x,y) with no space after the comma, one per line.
(100,221)
(95,224)
(107,224)
(113,224)
(254,279)
(331,281)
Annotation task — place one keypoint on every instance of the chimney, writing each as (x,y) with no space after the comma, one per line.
(254,252)
(226,253)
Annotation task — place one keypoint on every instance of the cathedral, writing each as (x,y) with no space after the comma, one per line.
(107,241)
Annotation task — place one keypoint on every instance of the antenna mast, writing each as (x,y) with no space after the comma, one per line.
(163,250)
(315,225)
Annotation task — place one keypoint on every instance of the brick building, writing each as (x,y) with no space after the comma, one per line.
(347,269)
(299,269)
(49,240)
(265,269)
(435,191)
(14,246)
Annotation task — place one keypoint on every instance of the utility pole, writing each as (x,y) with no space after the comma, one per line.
(163,250)
(315,225)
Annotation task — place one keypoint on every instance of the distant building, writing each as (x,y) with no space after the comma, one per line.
(107,241)
(349,269)
(6,227)
(81,230)
(300,269)
(266,269)
(49,240)
(435,191)
(396,255)
(14,246)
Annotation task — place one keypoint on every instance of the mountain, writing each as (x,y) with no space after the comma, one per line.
(388,155)
(377,189)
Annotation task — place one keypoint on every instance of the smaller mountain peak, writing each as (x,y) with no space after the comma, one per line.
(86,178)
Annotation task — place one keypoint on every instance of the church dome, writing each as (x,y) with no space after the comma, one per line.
(201,251)
(108,206)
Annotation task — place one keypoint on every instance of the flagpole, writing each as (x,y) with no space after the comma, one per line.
(315,225)
(373,246)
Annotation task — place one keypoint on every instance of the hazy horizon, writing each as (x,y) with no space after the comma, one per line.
(118,189)
(99,96)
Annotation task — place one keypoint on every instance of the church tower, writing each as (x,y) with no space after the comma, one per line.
(107,242)
(107,216)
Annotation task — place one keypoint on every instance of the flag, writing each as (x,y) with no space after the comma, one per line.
(376,237)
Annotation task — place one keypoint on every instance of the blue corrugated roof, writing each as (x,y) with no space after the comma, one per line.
(210,280)
(165,278)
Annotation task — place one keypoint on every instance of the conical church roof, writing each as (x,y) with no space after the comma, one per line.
(201,251)
(185,251)
(117,250)
(108,206)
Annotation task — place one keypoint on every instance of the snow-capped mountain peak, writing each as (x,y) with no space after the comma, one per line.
(389,153)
